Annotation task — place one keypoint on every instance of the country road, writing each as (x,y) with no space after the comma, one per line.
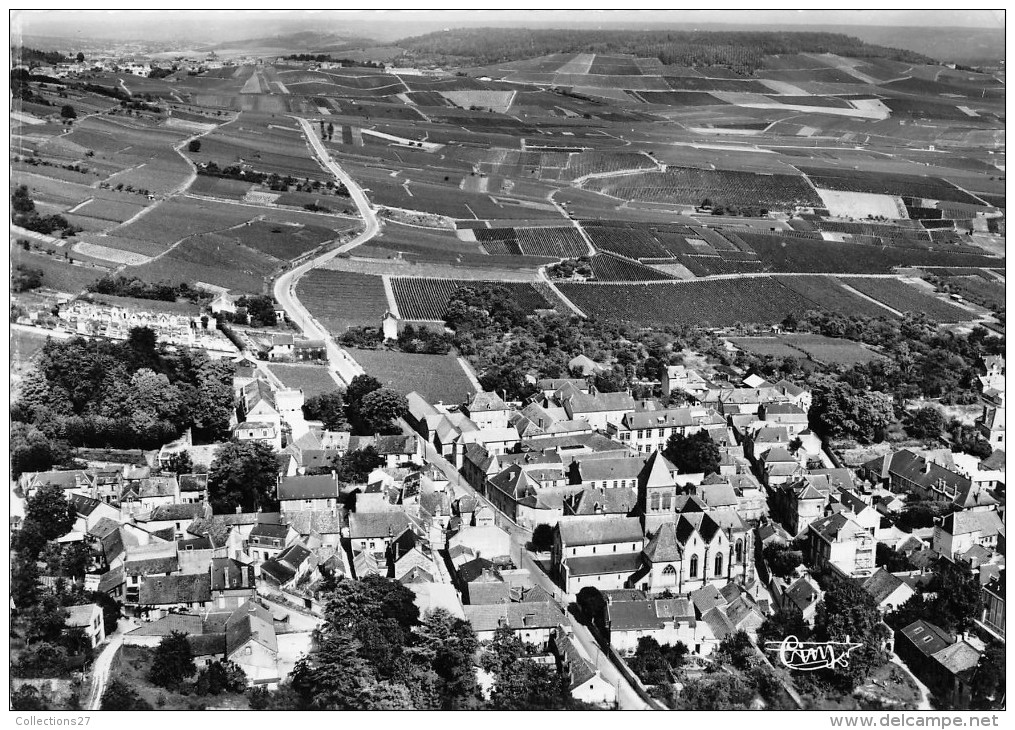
(285,286)
(100,671)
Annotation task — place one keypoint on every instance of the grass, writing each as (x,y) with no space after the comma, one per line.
(435,377)
(132,664)
(311,379)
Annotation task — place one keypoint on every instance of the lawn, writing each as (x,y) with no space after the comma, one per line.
(311,379)
(435,377)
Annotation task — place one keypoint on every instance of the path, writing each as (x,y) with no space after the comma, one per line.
(100,671)
(284,288)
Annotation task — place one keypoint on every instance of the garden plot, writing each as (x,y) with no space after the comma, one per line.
(497,101)
(843,204)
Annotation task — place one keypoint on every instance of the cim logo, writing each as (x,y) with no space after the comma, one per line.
(808,656)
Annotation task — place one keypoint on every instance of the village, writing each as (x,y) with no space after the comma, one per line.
(505,514)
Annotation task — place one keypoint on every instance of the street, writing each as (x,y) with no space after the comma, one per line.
(284,288)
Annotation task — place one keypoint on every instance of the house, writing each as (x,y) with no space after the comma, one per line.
(787,415)
(803,595)
(798,503)
(665,620)
(395,450)
(944,663)
(488,541)
(585,365)
(267,541)
(601,551)
(487,411)
(285,571)
(88,618)
(251,643)
(533,623)
(959,531)
(90,512)
(315,493)
(163,594)
(680,379)
(908,472)
(547,386)
(232,583)
(193,488)
(374,531)
(179,517)
(993,597)
(839,541)
(583,679)
(612,473)
(264,432)
(889,591)
(599,409)
(649,430)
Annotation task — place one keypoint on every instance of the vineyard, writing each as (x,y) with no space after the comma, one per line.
(692,186)
(607,267)
(341,299)
(427,299)
(905,298)
(825,292)
(559,242)
(717,303)
(592,163)
(438,378)
(885,183)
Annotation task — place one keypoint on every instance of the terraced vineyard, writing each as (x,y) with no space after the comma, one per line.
(825,292)
(607,267)
(341,299)
(716,303)
(427,299)
(560,242)
(905,298)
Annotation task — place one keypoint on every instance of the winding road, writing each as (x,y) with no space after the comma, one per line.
(100,671)
(285,286)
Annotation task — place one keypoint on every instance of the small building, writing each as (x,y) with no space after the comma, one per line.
(88,618)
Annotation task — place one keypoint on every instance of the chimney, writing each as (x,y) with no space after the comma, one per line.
(238,509)
(926,466)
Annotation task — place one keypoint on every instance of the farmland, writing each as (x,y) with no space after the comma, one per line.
(341,299)
(906,298)
(427,299)
(825,350)
(438,378)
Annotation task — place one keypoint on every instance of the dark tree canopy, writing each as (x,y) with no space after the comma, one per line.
(243,475)
(173,661)
(693,454)
(328,408)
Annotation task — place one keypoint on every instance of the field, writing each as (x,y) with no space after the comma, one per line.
(717,303)
(819,348)
(427,299)
(438,378)
(607,267)
(212,259)
(340,299)
(913,186)
(906,298)
(311,379)
(692,186)
(827,293)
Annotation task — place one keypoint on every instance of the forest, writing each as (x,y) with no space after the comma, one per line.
(741,51)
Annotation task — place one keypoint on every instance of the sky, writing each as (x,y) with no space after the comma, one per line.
(232,25)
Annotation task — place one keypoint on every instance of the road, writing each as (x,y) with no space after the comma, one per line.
(284,288)
(100,670)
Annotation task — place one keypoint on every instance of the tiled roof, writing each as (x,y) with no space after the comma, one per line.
(672,418)
(177,512)
(719,623)
(82,505)
(111,579)
(959,657)
(185,623)
(517,616)
(579,669)
(324,486)
(882,584)
(803,593)
(486,401)
(250,621)
(323,522)
(376,524)
(599,530)
(277,532)
(986,523)
(227,573)
(151,566)
(624,563)
(663,546)
(600,500)
(103,527)
(582,403)
(927,637)
(193,482)
(170,589)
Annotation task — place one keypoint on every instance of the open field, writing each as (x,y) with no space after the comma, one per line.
(438,378)
(826,350)
(311,379)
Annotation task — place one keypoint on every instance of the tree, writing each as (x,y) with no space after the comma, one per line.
(779,625)
(260,309)
(989,681)
(67,112)
(891,560)
(848,612)
(782,560)
(959,598)
(925,423)
(520,684)
(542,537)
(180,463)
(718,691)
(48,508)
(593,608)
(354,467)
(119,695)
(329,408)
(839,410)
(335,676)
(173,661)
(378,410)
(25,582)
(736,651)
(448,644)
(74,560)
(194,145)
(359,387)
(28,697)
(21,202)
(220,676)
(33,450)
(654,663)
(693,454)
(243,475)
(80,58)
